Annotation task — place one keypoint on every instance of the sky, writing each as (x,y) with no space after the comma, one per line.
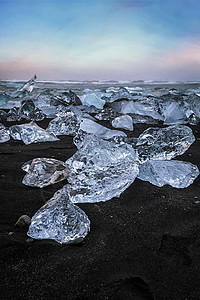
(100,39)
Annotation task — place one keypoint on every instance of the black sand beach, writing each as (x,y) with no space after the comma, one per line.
(143,245)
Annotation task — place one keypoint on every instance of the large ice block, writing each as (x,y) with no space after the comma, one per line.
(124,122)
(60,220)
(100,169)
(90,126)
(164,143)
(31,133)
(4,134)
(44,171)
(92,99)
(69,98)
(176,173)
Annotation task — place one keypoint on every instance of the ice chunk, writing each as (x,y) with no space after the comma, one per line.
(31,133)
(3,115)
(69,98)
(124,122)
(4,134)
(44,171)
(60,220)
(145,106)
(25,89)
(173,113)
(28,111)
(90,126)
(164,143)
(66,123)
(144,119)
(100,169)
(176,173)
(92,99)
(107,114)
(121,93)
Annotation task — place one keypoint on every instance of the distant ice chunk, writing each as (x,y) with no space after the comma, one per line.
(90,126)
(60,220)
(4,134)
(31,133)
(44,171)
(100,169)
(164,143)
(25,89)
(176,173)
(124,122)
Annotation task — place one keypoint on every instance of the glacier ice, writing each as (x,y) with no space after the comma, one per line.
(69,98)
(90,126)
(31,133)
(92,99)
(124,122)
(29,111)
(44,171)
(100,169)
(60,220)
(25,89)
(176,173)
(4,134)
(164,143)
(65,124)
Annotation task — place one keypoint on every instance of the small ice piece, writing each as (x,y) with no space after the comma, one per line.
(66,123)
(90,126)
(31,133)
(178,174)
(144,119)
(107,114)
(3,115)
(4,134)
(25,89)
(100,169)
(124,122)
(60,220)
(44,171)
(174,113)
(164,143)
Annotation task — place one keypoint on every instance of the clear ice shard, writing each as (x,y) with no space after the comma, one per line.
(4,134)
(164,143)
(100,131)
(178,174)
(25,89)
(44,171)
(100,169)
(174,113)
(31,133)
(28,111)
(60,220)
(69,98)
(124,122)
(65,124)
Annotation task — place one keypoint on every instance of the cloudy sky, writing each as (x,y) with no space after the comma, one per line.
(100,39)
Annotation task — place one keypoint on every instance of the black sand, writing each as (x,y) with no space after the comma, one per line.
(143,245)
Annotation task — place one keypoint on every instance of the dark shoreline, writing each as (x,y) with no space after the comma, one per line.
(143,245)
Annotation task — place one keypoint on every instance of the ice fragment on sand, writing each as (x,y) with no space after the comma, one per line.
(92,99)
(69,98)
(66,124)
(124,122)
(4,134)
(29,111)
(44,171)
(59,220)
(107,114)
(31,133)
(176,173)
(100,169)
(164,143)
(102,132)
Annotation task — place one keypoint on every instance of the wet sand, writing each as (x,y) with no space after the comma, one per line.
(143,245)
